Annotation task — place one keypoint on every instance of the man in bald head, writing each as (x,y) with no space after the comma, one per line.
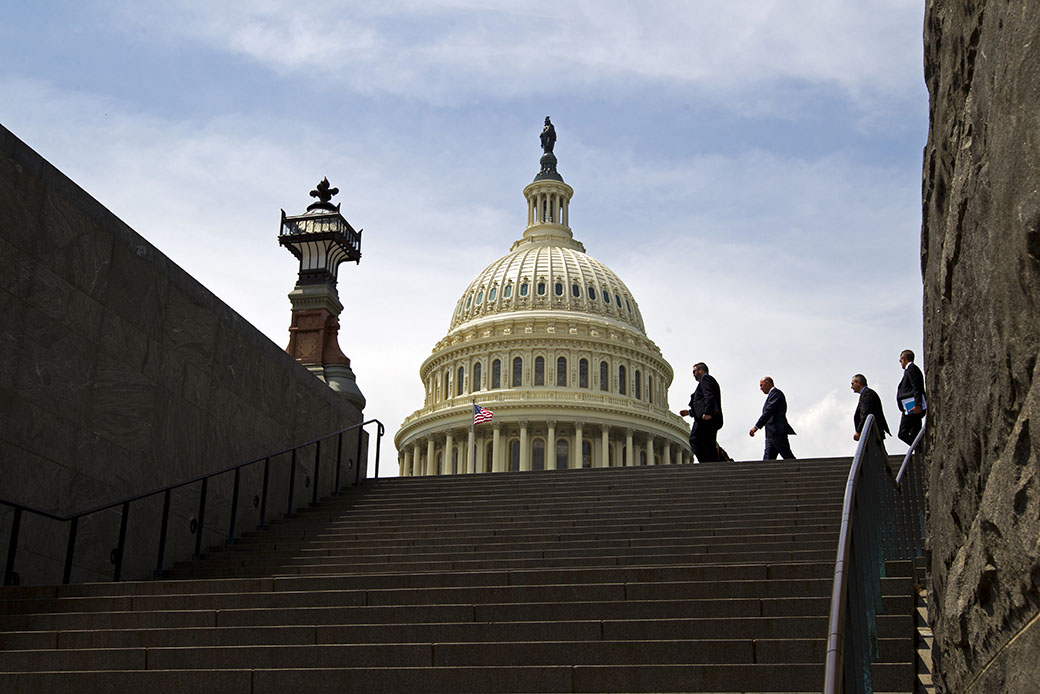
(774,421)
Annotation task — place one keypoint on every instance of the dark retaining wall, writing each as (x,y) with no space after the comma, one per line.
(981,262)
(119,374)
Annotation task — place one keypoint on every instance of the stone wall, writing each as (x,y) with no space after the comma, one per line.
(120,374)
(981,265)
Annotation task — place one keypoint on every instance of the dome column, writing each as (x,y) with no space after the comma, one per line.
(604,458)
(496,449)
(525,449)
(471,453)
(630,458)
(416,461)
(578,446)
(431,461)
(667,452)
(550,445)
(650,450)
(449,444)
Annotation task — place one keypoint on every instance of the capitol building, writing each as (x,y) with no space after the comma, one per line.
(551,341)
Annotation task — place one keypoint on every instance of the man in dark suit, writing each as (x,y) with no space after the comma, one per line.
(911,388)
(774,421)
(869,403)
(706,410)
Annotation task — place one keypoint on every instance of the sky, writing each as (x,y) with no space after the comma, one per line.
(751,169)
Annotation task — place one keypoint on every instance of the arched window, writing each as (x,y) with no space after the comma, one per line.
(538,454)
(621,380)
(447,384)
(561,372)
(639,387)
(518,372)
(650,388)
(476,377)
(514,455)
(539,371)
(563,452)
(496,374)
(604,376)
(461,379)
(583,373)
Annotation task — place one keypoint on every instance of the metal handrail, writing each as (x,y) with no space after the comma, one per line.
(882,519)
(10,577)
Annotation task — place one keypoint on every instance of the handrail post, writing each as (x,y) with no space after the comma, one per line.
(263,493)
(234,507)
(357,458)
(122,541)
(317,464)
(202,519)
(16,525)
(162,534)
(379,440)
(69,549)
(339,461)
(292,484)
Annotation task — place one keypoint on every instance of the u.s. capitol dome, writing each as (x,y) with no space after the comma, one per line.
(551,341)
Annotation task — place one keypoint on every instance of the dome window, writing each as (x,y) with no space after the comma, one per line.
(476,376)
(621,389)
(616,299)
(575,291)
(541,289)
(523,289)
(604,376)
(627,305)
(583,373)
(539,371)
(592,293)
(460,380)
(469,301)
(518,372)
(561,372)
(492,294)
(480,298)
(606,297)
(559,288)
(507,291)
(496,374)
(639,388)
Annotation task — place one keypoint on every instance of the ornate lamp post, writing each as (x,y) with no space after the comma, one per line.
(321,239)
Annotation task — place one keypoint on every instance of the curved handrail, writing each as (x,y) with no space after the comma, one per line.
(909,454)
(10,577)
(836,619)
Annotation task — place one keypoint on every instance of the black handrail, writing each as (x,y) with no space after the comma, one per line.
(11,577)
(882,519)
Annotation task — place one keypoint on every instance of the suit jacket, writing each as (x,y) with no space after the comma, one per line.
(911,386)
(774,415)
(870,403)
(707,399)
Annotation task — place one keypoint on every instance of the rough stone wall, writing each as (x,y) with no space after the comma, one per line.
(981,265)
(120,374)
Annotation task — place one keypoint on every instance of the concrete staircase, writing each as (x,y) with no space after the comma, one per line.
(697,578)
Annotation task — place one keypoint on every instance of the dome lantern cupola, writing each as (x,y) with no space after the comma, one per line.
(548,197)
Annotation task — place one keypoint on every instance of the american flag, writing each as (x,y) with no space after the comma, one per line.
(481,414)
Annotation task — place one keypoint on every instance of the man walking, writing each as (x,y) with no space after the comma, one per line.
(774,421)
(869,403)
(910,396)
(706,410)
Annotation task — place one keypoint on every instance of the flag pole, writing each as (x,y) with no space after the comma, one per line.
(473,438)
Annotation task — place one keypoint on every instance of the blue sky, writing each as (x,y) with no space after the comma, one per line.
(750,169)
